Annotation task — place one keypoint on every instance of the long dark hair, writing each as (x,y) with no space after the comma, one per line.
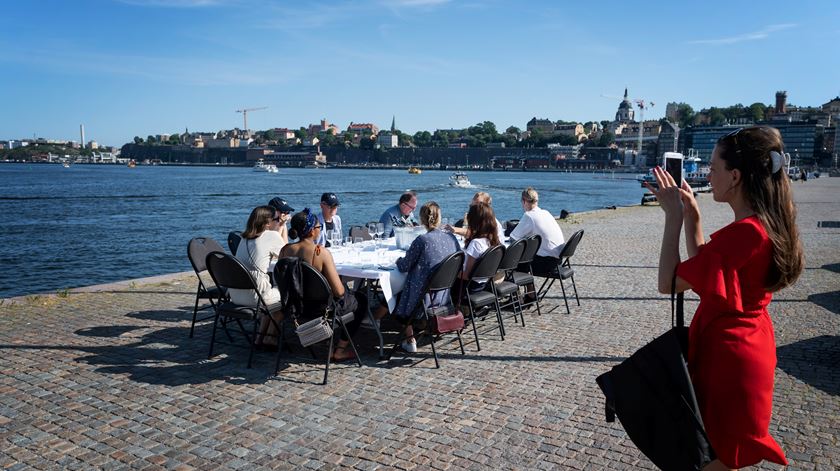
(769,194)
(482,221)
(303,224)
(260,216)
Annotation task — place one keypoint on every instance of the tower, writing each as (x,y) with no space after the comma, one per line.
(393,123)
(625,111)
(82,133)
(781,102)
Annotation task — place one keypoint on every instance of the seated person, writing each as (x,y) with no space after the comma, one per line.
(480,197)
(401,214)
(424,254)
(540,222)
(329,218)
(281,206)
(306,228)
(482,234)
(260,244)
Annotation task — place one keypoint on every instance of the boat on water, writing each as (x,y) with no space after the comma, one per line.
(66,164)
(261,166)
(695,174)
(460,180)
(131,163)
(414,171)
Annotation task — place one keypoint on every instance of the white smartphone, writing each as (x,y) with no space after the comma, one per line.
(674,166)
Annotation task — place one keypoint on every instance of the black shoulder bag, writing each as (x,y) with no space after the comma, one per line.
(652,395)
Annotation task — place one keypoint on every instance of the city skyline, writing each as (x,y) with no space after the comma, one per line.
(135,67)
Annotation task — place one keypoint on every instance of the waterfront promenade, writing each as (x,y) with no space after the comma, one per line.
(107,378)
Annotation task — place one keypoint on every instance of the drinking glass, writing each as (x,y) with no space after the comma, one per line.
(380,229)
(348,241)
(372,231)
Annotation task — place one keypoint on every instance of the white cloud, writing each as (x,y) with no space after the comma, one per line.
(753,36)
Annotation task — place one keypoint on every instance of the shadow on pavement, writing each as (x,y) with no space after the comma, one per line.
(813,361)
(835,267)
(829,301)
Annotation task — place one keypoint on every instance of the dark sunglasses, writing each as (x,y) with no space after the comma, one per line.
(734,136)
(317,227)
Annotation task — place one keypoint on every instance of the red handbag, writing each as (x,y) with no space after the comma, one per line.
(446,323)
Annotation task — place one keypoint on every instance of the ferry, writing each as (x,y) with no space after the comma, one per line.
(414,170)
(460,180)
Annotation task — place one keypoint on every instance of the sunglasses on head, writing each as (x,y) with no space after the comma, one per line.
(734,136)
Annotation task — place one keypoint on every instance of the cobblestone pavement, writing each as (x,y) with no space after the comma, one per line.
(108,378)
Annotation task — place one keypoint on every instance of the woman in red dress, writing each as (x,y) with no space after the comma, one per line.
(732,349)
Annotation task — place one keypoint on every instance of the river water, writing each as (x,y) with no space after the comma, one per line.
(90,224)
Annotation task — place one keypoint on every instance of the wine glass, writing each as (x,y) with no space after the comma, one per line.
(372,230)
(348,241)
(380,229)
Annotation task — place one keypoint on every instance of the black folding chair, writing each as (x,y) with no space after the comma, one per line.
(197,250)
(442,278)
(317,292)
(507,291)
(234,237)
(523,276)
(229,273)
(564,270)
(485,267)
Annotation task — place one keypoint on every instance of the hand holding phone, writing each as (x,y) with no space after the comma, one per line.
(674,166)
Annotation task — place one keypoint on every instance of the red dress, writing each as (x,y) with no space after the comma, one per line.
(731,346)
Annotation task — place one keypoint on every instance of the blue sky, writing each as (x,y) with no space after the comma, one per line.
(140,67)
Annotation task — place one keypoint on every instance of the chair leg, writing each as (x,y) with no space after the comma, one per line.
(396,345)
(575,288)
(279,328)
(213,336)
(499,318)
(352,344)
(518,302)
(253,341)
(543,289)
(195,314)
(432,343)
(329,350)
(568,311)
(472,321)
(461,343)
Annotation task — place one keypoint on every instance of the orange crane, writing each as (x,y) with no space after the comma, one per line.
(245,111)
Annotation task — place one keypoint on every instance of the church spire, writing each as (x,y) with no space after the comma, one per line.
(393,123)
(625,93)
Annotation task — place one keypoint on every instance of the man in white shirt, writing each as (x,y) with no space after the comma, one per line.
(328,218)
(540,222)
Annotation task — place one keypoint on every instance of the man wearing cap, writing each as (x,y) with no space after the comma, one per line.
(328,218)
(285,212)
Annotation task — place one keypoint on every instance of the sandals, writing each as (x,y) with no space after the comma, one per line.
(351,355)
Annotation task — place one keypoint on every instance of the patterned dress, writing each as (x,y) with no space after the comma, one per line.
(425,253)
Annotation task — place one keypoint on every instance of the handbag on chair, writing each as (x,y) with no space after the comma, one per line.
(314,331)
(652,395)
(446,323)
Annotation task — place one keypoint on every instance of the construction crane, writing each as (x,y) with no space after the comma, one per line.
(642,105)
(244,112)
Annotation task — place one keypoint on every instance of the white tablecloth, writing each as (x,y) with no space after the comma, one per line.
(365,261)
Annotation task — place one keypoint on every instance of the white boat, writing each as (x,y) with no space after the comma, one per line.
(261,166)
(460,180)
(66,164)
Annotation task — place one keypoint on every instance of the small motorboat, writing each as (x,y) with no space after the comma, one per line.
(131,163)
(261,166)
(414,170)
(460,180)
(66,164)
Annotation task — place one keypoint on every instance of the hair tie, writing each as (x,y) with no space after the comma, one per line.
(777,159)
(311,220)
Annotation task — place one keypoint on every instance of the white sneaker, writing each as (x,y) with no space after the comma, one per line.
(409,346)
